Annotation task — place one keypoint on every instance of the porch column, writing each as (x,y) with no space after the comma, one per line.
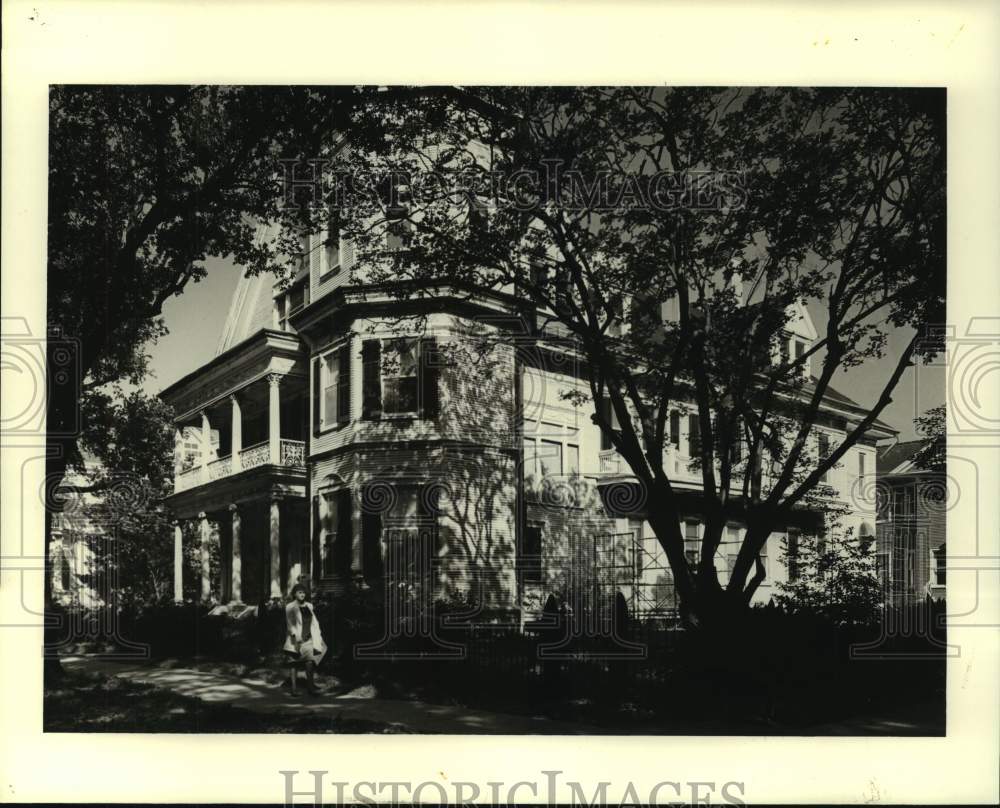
(206,563)
(178,563)
(237,432)
(275,547)
(206,441)
(178,453)
(236,566)
(56,560)
(274,413)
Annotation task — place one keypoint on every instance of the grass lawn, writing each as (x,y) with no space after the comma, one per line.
(78,703)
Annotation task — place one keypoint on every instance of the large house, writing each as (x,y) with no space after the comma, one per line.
(356,437)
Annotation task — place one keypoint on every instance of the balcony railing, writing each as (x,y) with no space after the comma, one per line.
(291,453)
(220,468)
(188,478)
(610,461)
(253,456)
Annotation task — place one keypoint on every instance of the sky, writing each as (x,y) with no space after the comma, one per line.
(195,320)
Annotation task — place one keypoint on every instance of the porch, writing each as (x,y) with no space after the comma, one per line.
(239,497)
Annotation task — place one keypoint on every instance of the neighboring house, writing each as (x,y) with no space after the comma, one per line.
(80,545)
(356,437)
(911,524)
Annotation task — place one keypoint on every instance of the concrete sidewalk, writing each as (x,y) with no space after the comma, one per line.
(261,697)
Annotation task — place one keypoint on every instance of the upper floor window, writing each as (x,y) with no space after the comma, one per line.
(675,429)
(291,301)
(331,254)
(694,436)
(332,388)
(550,450)
(861,466)
(337,248)
(400,376)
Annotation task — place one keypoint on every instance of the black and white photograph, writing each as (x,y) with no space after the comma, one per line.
(638,421)
(498,409)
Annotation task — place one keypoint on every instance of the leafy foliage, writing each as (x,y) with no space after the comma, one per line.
(606,209)
(837,580)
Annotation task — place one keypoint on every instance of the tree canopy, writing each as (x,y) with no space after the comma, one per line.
(672,234)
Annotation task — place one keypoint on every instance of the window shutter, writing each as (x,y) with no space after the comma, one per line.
(344,541)
(675,428)
(317,383)
(317,529)
(346,252)
(429,378)
(371,384)
(344,385)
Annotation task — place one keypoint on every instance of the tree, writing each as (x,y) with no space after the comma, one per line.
(144,184)
(603,208)
(932,426)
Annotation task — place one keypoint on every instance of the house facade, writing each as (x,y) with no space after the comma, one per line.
(357,437)
(913,504)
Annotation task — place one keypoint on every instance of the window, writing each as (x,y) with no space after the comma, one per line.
(336,526)
(296,298)
(530,557)
(331,256)
(332,244)
(331,389)
(692,541)
(528,443)
(549,458)
(793,554)
(861,466)
(399,376)
(572,459)
(331,379)
(675,429)
(940,565)
(291,301)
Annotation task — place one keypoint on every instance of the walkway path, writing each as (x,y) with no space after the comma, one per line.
(261,697)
